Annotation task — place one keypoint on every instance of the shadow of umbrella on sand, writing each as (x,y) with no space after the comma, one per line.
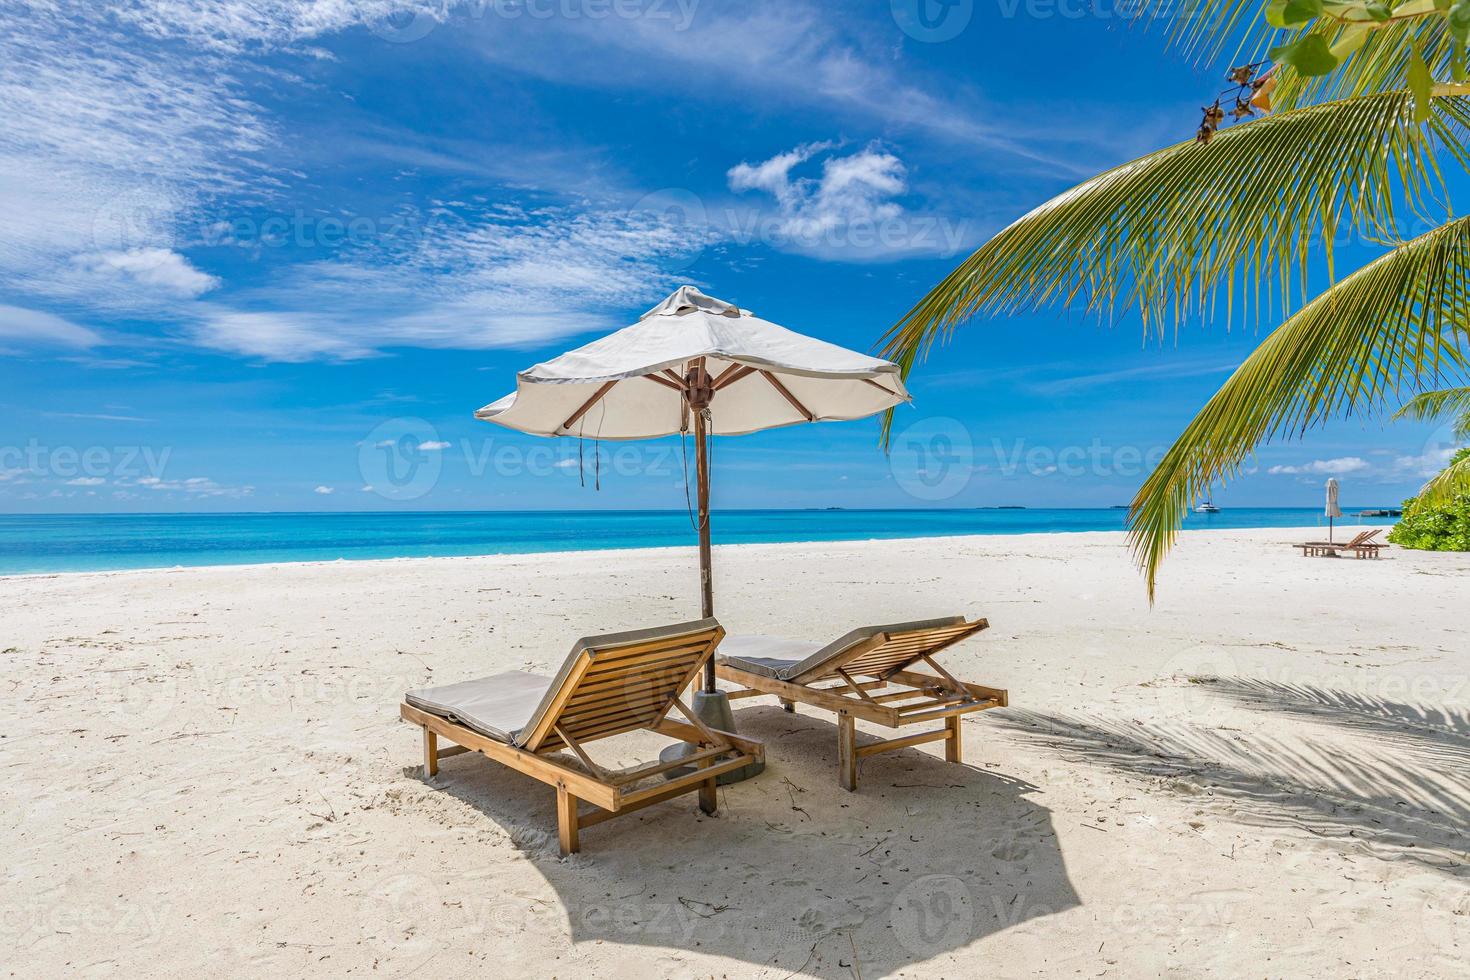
(697,365)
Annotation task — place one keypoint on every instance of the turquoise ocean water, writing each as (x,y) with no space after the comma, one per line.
(97,542)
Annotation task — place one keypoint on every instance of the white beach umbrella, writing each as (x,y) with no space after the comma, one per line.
(1333,511)
(700,365)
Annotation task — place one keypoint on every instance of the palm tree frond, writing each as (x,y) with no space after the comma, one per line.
(1208,30)
(1397,322)
(1434,406)
(1453,481)
(1172,231)
(1380,65)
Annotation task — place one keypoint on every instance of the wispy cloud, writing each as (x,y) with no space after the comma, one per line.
(105,143)
(18,323)
(1341,466)
(796,53)
(477,279)
(197,486)
(96,417)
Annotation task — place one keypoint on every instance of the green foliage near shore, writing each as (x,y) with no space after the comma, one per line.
(1439,527)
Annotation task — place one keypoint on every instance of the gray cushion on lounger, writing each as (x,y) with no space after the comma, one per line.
(507,707)
(497,707)
(765,655)
(801,661)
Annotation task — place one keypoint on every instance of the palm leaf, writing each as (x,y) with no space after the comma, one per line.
(1398,322)
(1381,65)
(1453,481)
(1171,231)
(1208,30)
(1433,406)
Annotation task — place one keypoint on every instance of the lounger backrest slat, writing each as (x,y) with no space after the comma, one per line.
(889,649)
(619,683)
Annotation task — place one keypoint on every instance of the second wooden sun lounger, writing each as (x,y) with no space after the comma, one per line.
(609,685)
(1362,546)
(853,676)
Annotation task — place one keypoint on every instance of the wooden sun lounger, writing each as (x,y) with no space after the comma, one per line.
(1362,546)
(609,685)
(865,675)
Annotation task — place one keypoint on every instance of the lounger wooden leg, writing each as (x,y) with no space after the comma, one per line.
(709,792)
(846,752)
(952,748)
(788,706)
(431,754)
(566,820)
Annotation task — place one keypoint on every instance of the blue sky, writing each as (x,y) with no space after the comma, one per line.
(271,255)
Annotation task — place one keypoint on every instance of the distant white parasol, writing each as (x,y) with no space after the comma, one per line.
(1333,511)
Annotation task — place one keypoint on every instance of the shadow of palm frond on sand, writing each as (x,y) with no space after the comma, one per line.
(1401,797)
(1439,732)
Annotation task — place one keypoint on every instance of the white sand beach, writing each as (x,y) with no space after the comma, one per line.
(1267,774)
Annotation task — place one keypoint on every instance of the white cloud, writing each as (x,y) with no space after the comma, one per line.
(18,323)
(161,268)
(86,481)
(283,336)
(325,491)
(1341,466)
(851,189)
(433,446)
(1427,463)
(195,485)
(787,52)
(477,278)
(108,144)
(238,25)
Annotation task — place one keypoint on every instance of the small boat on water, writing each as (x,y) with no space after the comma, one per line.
(1205,507)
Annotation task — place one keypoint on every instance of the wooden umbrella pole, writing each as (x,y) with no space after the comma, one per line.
(700,392)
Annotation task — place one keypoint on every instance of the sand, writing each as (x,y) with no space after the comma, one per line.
(1267,774)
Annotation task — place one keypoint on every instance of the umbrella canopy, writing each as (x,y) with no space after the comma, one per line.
(1332,509)
(633,384)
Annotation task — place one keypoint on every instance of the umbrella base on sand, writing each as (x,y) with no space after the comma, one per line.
(713,708)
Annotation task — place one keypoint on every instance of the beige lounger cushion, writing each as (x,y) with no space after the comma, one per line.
(801,660)
(497,707)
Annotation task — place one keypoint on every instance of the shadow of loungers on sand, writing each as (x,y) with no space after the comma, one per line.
(926,858)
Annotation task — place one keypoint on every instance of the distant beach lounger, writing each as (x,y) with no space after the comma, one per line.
(1362,546)
(794,670)
(609,685)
